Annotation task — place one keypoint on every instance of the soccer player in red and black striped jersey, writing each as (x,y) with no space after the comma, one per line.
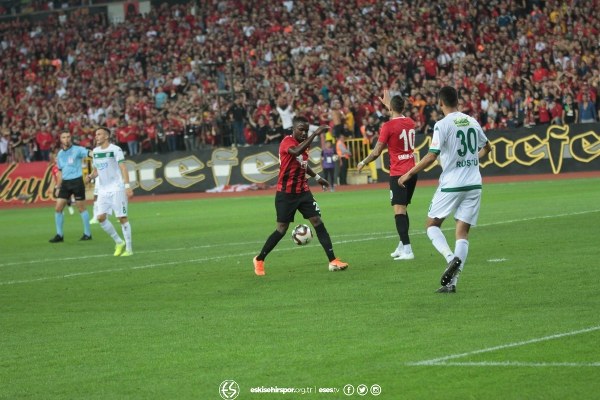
(293,194)
(398,134)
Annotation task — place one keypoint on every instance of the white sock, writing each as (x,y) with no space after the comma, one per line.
(439,242)
(407,249)
(126,228)
(461,250)
(110,229)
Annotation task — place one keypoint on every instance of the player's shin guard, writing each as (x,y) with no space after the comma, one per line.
(325,241)
(86,223)
(126,228)
(402,228)
(439,242)
(58,221)
(108,227)
(270,244)
(461,250)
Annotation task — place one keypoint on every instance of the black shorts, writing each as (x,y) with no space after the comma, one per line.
(72,186)
(286,205)
(399,195)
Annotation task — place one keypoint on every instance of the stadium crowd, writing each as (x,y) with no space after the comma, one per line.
(234,72)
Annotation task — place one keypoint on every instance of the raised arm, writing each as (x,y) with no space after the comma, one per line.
(299,149)
(375,153)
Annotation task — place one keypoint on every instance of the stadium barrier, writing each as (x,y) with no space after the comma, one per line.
(538,150)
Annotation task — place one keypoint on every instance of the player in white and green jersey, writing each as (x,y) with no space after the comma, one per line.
(459,143)
(456,140)
(112,181)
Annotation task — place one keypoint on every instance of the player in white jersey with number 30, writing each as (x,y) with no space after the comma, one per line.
(460,143)
(112,181)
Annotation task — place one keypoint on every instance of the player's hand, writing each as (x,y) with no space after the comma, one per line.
(324,184)
(56,191)
(360,166)
(402,180)
(129,192)
(322,129)
(386,99)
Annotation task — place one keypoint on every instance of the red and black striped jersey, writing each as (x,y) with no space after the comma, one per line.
(292,170)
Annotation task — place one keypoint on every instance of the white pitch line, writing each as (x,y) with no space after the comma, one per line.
(148,266)
(515,364)
(364,239)
(75,274)
(442,360)
(206,246)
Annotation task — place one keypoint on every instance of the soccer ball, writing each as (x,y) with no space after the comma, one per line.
(302,235)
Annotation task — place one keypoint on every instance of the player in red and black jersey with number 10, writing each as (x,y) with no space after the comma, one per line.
(398,134)
(293,194)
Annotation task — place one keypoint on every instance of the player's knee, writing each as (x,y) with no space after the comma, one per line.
(282,227)
(437,222)
(316,220)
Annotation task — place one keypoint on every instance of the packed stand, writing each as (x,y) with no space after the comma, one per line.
(236,72)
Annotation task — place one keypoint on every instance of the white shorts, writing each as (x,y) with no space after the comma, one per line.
(465,205)
(110,202)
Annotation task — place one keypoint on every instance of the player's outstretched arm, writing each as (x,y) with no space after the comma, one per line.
(425,162)
(297,150)
(386,99)
(375,153)
(320,180)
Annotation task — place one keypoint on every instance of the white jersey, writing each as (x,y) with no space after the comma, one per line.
(106,161)
(457,139)
(287,116)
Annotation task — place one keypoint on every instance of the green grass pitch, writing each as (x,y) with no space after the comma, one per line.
(187,312)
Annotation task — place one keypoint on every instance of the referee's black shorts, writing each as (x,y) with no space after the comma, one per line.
(402,195)
(72,187)
(286,205)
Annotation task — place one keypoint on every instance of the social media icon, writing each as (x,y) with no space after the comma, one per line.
(348,390)
(362,390)
(375,390)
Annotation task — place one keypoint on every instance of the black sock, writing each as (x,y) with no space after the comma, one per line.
(270,244)
(402,227)
(325,241)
